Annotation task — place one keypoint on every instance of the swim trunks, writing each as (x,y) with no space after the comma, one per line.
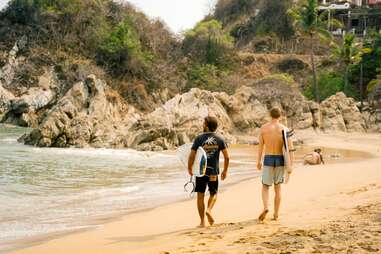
(273,170)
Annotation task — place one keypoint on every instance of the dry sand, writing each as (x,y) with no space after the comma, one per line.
(334,208)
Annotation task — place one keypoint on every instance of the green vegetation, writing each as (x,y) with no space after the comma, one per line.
(229,10)
(247,20)
(123,42)
(206,76)
(207,43)
(310,23)
(329,83)
(370,61)
(138,56)
(273,19)
(120,49)
(347,54)
(284,77)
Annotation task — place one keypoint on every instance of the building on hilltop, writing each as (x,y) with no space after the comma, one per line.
(358,16)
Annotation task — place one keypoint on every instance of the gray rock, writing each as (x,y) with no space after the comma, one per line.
(88,115)
(340,113)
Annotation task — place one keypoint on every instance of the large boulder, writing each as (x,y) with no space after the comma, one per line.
(8,71)
(283,93)
(90,114)
(245,110)
(179,120)
(5,99)
(23,110)
(340,113)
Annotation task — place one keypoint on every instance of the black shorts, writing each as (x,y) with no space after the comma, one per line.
(202,182)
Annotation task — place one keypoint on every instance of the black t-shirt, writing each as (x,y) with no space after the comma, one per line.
(213,145)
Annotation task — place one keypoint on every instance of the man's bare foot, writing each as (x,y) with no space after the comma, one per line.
(276,217)
(262,216)
(202,225)
(210,218)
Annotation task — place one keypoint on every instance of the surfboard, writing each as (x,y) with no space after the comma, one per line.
(200,162)
(286,155)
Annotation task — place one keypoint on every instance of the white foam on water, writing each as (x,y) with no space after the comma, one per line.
(130,157)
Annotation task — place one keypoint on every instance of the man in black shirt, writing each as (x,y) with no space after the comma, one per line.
(213,145)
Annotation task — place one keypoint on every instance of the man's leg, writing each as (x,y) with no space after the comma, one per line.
(265,200)
(277,199)
(211,202)
(201,208)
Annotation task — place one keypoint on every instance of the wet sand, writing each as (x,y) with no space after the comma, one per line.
(326,209)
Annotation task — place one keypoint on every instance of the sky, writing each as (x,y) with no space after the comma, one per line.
(179,15)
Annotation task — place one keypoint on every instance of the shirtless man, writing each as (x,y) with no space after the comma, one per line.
(315,158)
(271,140)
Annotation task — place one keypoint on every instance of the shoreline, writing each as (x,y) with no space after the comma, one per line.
(158,230)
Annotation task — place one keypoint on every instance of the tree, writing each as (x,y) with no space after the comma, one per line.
(121,49)
(347,53)
(366,70)
(208,43)
(308,21)
(273,18)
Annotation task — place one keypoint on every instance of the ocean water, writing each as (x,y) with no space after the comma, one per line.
(46,191)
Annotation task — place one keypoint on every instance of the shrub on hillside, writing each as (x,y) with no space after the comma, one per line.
(207,43)
(120,49)
(290,65)
(371,62)
(206,77)
(227,10)
(121,40)
(329,83)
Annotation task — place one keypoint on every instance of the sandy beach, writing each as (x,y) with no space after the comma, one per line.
(334,208)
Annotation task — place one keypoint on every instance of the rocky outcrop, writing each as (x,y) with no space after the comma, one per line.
(340,113)
(5,99)
(181,118)
(90,114)
(178,121)
(8,71)
(24,110)
(299,112)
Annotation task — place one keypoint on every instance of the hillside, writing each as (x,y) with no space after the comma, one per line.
(262,26)
(101,74)
(114,41)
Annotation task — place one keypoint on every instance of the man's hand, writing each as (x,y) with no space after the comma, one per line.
(223,175)
(259,165)
(190,172)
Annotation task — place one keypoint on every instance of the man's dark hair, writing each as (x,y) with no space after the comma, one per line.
(318,150)
(212,123)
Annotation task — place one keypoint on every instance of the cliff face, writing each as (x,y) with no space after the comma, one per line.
(88,115)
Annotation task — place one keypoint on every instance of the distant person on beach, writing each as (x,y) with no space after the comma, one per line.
(271,141)
(315,158)
(213,145)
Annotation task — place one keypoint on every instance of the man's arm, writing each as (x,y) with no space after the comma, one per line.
(226,163)
(260,152)
(322,160)
(191,158)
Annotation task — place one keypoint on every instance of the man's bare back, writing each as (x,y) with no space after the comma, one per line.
(271,134)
